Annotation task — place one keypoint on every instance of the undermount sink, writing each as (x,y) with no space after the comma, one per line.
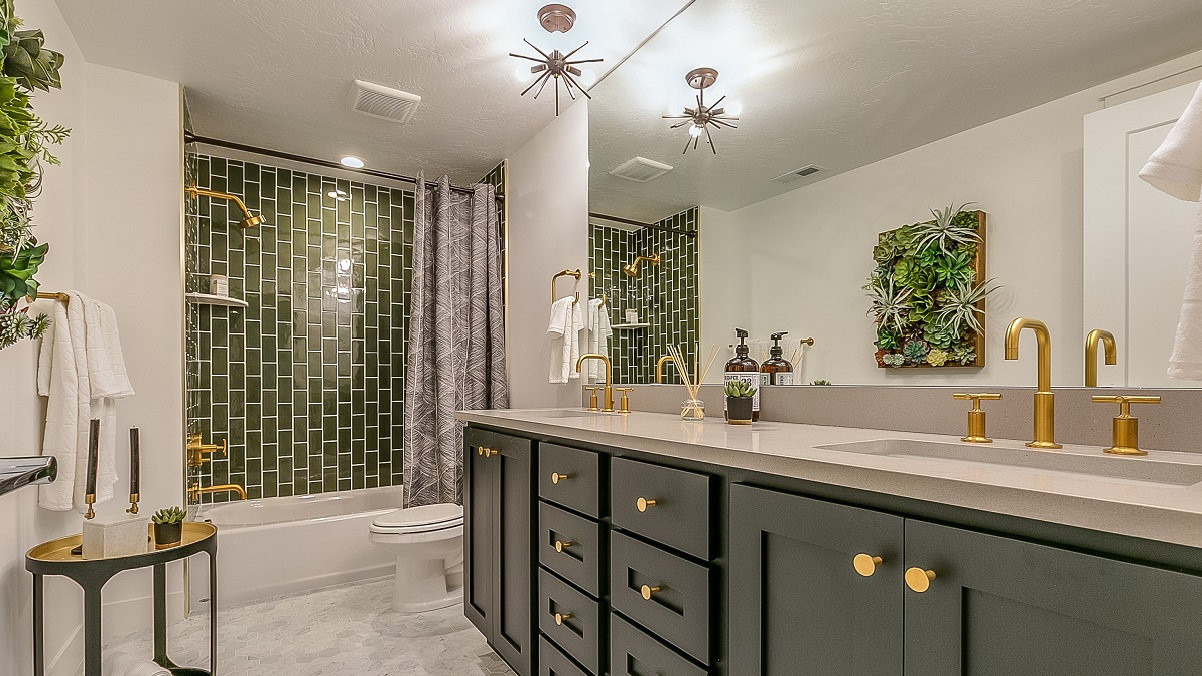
(1100,465)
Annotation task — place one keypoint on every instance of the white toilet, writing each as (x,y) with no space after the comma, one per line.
(427,542)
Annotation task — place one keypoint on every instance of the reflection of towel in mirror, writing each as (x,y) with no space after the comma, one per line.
(82,372)
(564,328)
(1176,168)
(117,663)
(599,332)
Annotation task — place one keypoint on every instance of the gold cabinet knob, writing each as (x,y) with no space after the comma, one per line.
(643,504)
(646,591)
(561,545)
(1125,438)
(919,580)
(976,417)
(480,450)
(560,617)
(556,477)
(490,452)
(866,564)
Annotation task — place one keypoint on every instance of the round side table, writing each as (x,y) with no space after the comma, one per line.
(55,558)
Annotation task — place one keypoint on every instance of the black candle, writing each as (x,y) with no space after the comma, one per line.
(93,456)
(135,463)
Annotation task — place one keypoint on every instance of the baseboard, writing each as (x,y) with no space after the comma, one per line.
(127,616)
(68,661)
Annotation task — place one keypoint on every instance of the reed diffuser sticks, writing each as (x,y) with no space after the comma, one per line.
(693,408)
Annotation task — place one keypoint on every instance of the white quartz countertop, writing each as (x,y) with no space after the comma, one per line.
(1167,512)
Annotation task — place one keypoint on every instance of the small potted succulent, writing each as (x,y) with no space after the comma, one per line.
(739,402)
(168,527)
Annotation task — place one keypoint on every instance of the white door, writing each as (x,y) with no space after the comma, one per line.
(1137,239)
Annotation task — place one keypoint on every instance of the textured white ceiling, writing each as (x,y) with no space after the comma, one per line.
(277,73)
(843,83)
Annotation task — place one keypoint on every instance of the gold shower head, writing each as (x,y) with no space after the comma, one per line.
(249,220)
(632,269)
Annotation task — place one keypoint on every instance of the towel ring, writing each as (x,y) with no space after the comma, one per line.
(565,273)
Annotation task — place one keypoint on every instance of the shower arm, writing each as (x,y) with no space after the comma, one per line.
(193,190)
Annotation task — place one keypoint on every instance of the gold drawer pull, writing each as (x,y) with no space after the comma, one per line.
(866,565)
(490,452)
(561,545)
(560,617)
(480,450)
(643,504)
(647,591)
(919,580)
(556,477)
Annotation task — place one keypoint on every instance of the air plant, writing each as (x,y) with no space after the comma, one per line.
(944,231)
(959,307)
(889,304)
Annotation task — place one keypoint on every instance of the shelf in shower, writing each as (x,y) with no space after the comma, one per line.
(214,299)
(639,325)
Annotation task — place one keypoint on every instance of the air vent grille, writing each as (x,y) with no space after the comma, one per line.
(798,174)
(641,169)
(383,102)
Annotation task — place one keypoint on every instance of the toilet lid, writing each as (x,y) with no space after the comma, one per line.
(444,515)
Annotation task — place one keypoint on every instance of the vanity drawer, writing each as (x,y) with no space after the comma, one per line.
(679,610)
(579,555)
(553,662)
(633,653)
(570,477)
(676,505)
(580,634)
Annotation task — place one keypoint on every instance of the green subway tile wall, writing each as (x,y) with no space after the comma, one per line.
(306,384)
(665,295)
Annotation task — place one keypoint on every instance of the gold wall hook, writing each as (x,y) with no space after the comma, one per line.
(1125,431)
(1091,354)
(976,417)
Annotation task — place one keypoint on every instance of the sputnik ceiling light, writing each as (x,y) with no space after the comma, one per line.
(556,18)
(700,118)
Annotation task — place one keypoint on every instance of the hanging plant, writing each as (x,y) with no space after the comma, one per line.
(928,308)
(25,65)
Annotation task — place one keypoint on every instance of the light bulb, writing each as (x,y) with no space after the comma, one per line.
(588,77)
(522,73)
(695,130)
(352,162)
(734,108)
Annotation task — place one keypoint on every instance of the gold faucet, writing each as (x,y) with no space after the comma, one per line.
(195,491)
(198,450)
(1091,354)
(1045,404)
(659,367)
(609,372)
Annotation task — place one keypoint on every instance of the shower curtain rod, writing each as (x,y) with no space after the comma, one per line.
(189,137)
(653,226)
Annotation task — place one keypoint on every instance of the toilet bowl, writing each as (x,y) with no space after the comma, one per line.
(427,542)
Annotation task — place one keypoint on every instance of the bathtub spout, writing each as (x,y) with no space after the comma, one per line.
(195,491)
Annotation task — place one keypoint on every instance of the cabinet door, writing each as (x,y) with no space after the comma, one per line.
(514,525)
(479,549)
(999,607)
(797,603)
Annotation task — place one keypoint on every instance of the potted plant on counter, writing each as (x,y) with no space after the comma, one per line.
(168,527)
(739,402)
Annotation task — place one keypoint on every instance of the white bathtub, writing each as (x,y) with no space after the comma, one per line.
(285,545)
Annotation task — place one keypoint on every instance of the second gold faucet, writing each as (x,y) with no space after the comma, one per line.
(1045,402)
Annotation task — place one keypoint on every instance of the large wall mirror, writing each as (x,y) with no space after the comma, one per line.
(897,195)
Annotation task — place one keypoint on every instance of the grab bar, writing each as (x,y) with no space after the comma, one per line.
(18,472)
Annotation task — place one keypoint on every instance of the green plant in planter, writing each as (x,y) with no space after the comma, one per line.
(740,389)
(169,515)
(821,382)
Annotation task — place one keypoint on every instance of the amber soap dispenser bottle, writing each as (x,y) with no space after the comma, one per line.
(743,368)
(778,369)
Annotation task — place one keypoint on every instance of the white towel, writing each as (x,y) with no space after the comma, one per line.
(1176,168)
(600,330)
(82,372)
(117,663)
(564,328)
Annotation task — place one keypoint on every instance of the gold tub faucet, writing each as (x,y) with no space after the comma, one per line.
(609,372)
(1045,403)
(1091,354)
(195,491)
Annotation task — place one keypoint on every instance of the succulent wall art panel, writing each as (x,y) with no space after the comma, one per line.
(928,292)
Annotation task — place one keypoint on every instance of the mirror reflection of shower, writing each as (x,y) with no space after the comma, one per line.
(249,220)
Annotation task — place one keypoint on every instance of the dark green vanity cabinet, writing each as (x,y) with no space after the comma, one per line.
(498,546)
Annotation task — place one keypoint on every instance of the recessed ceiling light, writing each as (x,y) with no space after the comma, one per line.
(352,162)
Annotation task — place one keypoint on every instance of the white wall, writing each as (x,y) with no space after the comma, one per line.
(547,200)
(812,248)
(124,250)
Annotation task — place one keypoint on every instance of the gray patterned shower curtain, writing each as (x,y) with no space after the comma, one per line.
(456,334)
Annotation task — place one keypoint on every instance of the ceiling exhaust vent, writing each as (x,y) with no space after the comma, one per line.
(641,169)
(798,174)
(383,102)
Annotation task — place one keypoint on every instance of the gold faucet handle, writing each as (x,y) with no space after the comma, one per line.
(625,404)
(1125,436)
(592,397)
(976,417)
